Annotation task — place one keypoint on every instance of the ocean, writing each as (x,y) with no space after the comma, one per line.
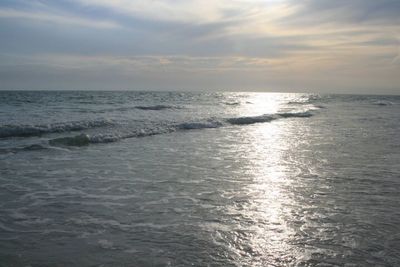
(198,179)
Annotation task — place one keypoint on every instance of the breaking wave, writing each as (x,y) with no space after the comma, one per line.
(101,138)
(156,107)
(35,130)
(251,119)
(199,125)
(267,117)
(304,114)
(382,103)
(84,139)
(299,102)
(304,100)
(232,103)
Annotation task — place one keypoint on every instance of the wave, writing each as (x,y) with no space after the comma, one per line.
(251,119)
(156,107)
(79,140)
(199,125)
(129,108)
(34,147)
(232,103)
(113,137)
(119,134)
(36,130)
(304,100)
(298,102)
(307,104)
(382,103)
(304,114)
(319,106)
(267,117)
(84,139)
(102,138)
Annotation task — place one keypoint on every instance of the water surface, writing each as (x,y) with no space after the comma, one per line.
(197,179)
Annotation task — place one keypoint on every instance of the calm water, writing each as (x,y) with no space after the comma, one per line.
(197,179)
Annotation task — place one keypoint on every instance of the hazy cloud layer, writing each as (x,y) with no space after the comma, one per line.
(310,45)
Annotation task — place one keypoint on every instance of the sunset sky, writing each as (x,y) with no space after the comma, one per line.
(254,45)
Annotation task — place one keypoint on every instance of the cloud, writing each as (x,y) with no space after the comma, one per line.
(294,73)
(162,10)
(59,19)
(188,43)
(345,11)
(129,64)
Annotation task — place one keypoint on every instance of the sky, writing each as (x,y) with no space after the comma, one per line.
(340,46)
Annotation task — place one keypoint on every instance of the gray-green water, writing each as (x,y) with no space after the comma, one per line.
(196,179)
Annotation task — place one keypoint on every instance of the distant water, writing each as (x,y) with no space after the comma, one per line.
(199,179)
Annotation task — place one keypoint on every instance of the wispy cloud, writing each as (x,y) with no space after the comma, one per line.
(167,10)
(144,63)
(54,18)
(342,12)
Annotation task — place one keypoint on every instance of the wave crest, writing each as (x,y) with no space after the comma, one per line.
(267,117)
(199,125)
(124,133)
(156,107)
(35,130)
(251,119)
(304,114)
(382,103)
(83,139)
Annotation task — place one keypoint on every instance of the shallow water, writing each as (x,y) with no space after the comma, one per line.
(197,179)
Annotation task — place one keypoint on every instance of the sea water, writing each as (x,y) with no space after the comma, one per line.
(199,179)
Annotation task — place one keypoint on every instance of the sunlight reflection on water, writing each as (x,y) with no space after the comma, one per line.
(267,192)
(263,236)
